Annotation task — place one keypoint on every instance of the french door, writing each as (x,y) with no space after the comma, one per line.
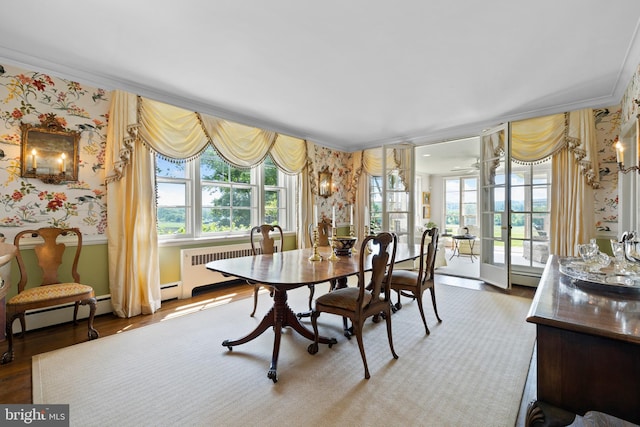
(495,196)
(398,203)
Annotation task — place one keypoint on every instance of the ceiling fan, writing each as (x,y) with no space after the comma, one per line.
(474,167)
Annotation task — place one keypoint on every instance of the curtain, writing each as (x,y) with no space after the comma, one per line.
(307,188)
(136,123)
(570,140)
(134,275)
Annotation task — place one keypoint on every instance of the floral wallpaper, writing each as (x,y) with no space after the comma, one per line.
(607,122)
(338,163)
(29,97)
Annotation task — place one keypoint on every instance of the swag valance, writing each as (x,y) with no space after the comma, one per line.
(535,140)
(181,135)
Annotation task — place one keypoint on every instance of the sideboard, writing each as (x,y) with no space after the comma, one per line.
(588,345)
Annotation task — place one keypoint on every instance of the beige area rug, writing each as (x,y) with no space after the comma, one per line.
(470,371)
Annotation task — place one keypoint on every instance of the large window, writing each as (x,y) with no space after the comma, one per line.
(530,213)
(461,203)
(209,197)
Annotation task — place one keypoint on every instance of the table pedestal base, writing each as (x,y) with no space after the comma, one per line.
(279,316)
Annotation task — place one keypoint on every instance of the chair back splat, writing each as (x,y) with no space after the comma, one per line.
(265,244)
(58,285)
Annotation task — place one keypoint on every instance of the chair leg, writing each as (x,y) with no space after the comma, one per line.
(389,335)
(75,312)
(92,303)
(357,331)
(433,300)
(23,324)
(397,306)
(421,309)
(312,291)
(256,288)
(8,356)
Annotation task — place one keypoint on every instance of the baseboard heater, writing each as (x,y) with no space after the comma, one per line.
(193,270)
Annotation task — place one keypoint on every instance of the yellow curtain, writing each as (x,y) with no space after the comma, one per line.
(570,139)
(134,276)
(307,189)
(571,206)
(170,131)
(360,189)
(175,133)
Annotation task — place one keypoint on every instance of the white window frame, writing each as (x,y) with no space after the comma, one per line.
(193,214)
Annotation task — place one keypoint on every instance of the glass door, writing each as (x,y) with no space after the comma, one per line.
(397,193)
(495,253)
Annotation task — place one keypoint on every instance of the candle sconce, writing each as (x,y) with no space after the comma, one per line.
(324,183)
(49,152)
(620,158)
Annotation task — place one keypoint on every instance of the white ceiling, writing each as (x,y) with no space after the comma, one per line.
(344,74)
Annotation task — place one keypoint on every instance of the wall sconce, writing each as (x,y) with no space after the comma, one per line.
(324,183)
(620,158)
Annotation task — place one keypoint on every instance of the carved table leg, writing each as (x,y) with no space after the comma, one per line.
(279,316)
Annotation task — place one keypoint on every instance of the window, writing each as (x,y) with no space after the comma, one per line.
(461,203)
(375,202)
(530,214)
(209,197)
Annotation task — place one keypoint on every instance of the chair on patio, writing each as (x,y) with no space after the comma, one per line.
(368,299)
(411,283)
(53,289)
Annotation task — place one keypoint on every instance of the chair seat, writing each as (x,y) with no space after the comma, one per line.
(344,298)
(404,278)
(50,292)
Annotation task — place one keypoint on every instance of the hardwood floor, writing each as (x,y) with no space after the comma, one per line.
(15,377)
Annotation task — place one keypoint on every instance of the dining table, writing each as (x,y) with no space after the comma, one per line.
(288,270)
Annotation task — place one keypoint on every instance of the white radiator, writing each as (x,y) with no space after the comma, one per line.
(193,270)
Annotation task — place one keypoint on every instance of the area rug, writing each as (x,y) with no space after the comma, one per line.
(470,371)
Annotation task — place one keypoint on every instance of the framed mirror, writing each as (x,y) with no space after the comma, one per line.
(324,183)
(49,152)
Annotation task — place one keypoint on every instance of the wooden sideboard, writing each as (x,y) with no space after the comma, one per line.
(588,345)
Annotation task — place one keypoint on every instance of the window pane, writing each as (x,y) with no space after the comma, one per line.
(172,194)
(271,174)
(540,202)
(172,220)
(213,195)
(167,169)
(241,197)
(216,219)
(212,167)
(241,219)
(241,175)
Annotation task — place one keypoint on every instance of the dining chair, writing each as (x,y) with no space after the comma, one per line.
(368,299)
(264,245)
(412,283)
(59,279)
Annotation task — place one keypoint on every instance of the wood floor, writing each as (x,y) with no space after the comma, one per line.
(15,377)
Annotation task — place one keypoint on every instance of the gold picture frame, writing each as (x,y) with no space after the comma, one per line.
(49,152)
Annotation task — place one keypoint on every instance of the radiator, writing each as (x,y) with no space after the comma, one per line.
(193,270)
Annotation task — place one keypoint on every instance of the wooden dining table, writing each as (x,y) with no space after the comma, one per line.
(290,270)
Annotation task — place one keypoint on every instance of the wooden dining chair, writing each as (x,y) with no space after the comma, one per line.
(59,282)
(265,244)
(366,300)
(412,283)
